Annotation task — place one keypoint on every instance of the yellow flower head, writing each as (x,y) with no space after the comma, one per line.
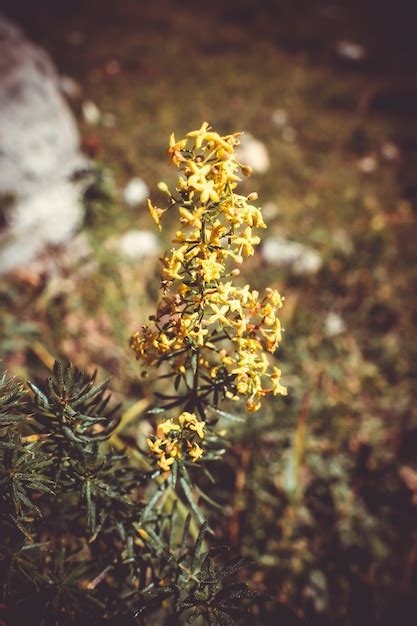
(176,439)
(211,269)
(190,420)
(213,336)
(156,214)
(165,463)
(195,452)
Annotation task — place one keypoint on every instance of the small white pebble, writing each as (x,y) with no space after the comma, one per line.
(367,164)
(334,324)
(300,259)
(390,151)
(137,244)
(350,50)
(91,112)
(135,192)
(280,118)
(308,263)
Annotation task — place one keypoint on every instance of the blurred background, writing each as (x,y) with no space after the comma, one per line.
(320,489)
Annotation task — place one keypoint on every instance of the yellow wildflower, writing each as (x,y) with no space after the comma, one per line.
(166,427)
(156,213)
(165,463)
(175,148)
(211,269)
(192,218)
(253,404)
(199,134)
(219,314)
(195,452)
(190,420)
(202,314)
(246,242)
(155,446)
(277,388)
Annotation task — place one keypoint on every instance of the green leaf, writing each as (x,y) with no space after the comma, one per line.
(188,494)
(226,415)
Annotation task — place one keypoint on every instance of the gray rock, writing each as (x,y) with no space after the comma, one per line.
(39,151)
(49,216)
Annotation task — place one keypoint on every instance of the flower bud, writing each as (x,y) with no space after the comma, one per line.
(142,532)
(252,196)
(247,170)
(164,188)
(222,154)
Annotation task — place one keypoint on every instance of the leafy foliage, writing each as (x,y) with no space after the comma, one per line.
(83,540)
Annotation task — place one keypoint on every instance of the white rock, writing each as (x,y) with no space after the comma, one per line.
(39,150)
(282,253)
(46,217)
(38,134)
(367,164)
(280,118)
(254,153)
(334,325)
(390,151)
(135,192)
(91,112)
(278,251)
(136,244)
(350,50)
(309,262)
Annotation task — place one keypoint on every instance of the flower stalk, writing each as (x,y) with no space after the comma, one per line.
(210,335)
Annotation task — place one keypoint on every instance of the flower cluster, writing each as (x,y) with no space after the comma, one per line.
(213,335)
(202,312)
(176,439)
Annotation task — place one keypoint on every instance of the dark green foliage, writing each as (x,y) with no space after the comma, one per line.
(82,540)
(210,597)
(10,402)
(199,587)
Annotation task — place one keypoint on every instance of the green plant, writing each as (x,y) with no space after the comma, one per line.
(79,540)
(91,534)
